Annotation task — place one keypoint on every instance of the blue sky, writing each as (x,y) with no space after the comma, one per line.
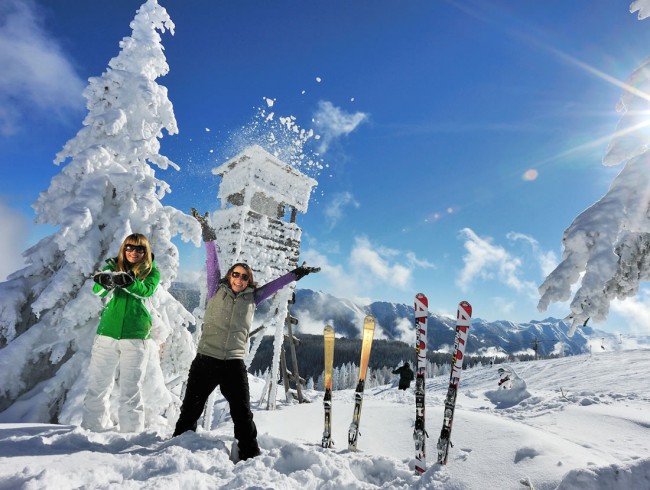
(475,129)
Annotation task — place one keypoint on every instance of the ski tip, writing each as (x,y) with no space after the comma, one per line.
(466,307)
(421,300)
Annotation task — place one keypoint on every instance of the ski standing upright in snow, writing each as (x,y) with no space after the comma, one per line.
(463,320)
(366,345)
(421,310)
(328,342)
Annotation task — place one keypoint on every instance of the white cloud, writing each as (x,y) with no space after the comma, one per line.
(332,122)
(404,330)
(547,260)
(332,273)
(491,352)
(334,210)
(414,261)
(490,262)
(636,311)
(505,306)
(13,240)
(191,276)
(36,74)
(375,263)
(308,325)
(369,266)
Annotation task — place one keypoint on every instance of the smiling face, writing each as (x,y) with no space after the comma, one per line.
(134,253)
(239,278)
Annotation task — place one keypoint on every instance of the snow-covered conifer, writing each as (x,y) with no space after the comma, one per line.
(106,190)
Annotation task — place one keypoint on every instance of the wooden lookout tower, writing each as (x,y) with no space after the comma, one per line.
(260,197)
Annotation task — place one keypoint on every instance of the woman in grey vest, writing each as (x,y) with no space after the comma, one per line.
(220,355)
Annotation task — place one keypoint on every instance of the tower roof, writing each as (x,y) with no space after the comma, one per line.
(256,171)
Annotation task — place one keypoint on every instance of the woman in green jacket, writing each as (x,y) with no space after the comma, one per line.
(122,336)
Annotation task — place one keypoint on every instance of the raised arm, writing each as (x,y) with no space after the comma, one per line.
(211,255)
(270,288)
(212,266)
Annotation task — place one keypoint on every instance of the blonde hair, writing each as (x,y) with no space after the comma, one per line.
(141,269)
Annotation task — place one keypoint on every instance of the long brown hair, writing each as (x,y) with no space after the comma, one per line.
(141,269)
(249,271)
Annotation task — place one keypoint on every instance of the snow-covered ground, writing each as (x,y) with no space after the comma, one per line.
(575,422)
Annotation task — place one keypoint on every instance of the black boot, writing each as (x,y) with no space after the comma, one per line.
(249,451)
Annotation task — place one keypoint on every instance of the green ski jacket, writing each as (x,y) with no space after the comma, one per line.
(125,316)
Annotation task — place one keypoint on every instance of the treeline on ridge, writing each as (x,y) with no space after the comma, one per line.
(385,353)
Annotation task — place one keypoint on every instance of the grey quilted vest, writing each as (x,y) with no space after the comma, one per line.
(227,323)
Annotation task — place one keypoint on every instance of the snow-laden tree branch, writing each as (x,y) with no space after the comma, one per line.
(607,247)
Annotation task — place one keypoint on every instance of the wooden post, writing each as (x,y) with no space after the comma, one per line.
(294,358)
(285,373)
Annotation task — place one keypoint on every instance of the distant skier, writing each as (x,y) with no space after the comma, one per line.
(405,376)
(220,358)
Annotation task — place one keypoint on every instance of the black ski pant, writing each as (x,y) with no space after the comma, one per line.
(403,385)
(206,373)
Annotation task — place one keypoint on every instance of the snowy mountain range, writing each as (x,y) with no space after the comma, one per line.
(485,338)
(314,309)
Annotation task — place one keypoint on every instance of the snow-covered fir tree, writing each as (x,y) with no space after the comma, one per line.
(106,190)
(607,247)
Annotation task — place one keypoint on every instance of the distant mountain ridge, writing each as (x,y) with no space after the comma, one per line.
(548,336)
(544,337)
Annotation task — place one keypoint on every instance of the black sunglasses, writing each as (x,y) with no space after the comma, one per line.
(243,275)
(135,248)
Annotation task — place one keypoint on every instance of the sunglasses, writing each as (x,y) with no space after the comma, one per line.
(139,249)
(235,275)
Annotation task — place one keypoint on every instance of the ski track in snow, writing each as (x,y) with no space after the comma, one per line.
(569,423)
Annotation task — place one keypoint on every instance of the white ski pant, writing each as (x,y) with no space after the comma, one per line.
(130,355)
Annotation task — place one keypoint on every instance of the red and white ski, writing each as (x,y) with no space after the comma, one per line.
(463,320)
(421,310)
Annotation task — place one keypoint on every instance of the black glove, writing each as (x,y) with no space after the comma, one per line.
(208,233)
(123,279)
(104,279)
(303,270)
